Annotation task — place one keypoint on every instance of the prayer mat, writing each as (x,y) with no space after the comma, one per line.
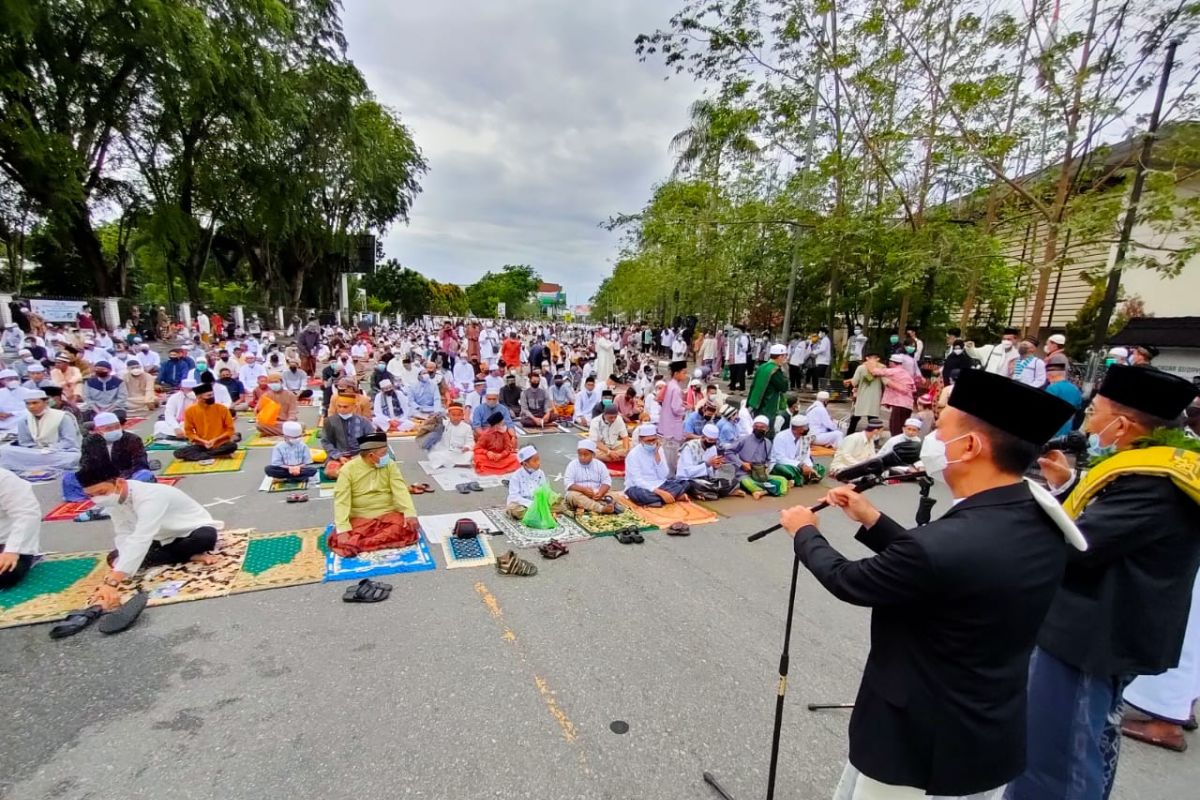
(270,484)
(608,524)
(521,536)
(664,517)
(256,439)
(179,583)
(153,444)
(821,451)
(55,586)
(807,495)
(439,527)
(285,558)
(378,562)
(449,477)
(403,434)
(231,463)
(67,511)
(130,422)
(304,401)
(475,552)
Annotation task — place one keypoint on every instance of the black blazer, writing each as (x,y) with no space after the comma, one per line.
(128,453)
(957,606)
(1123,606)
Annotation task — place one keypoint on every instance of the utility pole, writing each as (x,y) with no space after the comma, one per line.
(1135,195)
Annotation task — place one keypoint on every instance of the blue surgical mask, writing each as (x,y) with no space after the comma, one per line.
(383,462)
(112,436)
(1097,450)
(650,448)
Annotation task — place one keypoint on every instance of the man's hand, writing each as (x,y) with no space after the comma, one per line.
(293,470)
(746,466)
(716,461)
(853,505)
(1056,468)
(8,562)
(806,470)
(666,496)
(412,525)
(797,517)
(105,596)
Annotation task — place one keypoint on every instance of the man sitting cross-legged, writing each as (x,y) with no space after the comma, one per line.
(647,474)
(857,447)
(535,403)
(709,474)
(389,415)
(171,424)
(496,448)
(291,459)
(752,453)
(47,438)
(481,415)
(372,508)
(110,443)
(611,436)
(20,527)
(791,454)
(341,433)
(589,486)
(208,426)
(153,525)
(275,407)
(562,398)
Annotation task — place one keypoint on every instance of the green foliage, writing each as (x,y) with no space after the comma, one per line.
(405,291)
(512,285)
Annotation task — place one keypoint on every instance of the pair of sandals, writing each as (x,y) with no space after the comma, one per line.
(367,591)
(630,535)
(553,549)
(467,488)
(421,488)
(110,623)
(679,529)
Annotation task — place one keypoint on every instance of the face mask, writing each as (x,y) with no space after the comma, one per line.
(760,434)
(1006,345)
(708,443)
(957,351)
(933,456)
(383,461)
(28,359)
(274,387)
(1097,450)
(112,436)
(649,448)
(101,374)
(210,400)
(106,500)
(291,439)
(381,367)
(345,416)
(893,339)
(910,349)
(12,384)
(858,331)
(201,364)
(173,358)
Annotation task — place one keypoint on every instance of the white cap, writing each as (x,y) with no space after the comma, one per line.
(8,373)
(649,429)
(33,394)
(525,453)
(695,382)
(1116,352)
(778,350)
(385,384)
(1058,339)
(586,444)
(697,373)
(896,357)
(912,422)
(37,366)
(799,421)
(762,420)
(710,431)
(292,428)
(105,418)
(188,383)
(822,395)
(491,391)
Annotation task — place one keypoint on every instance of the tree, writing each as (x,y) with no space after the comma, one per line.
(404,290)
(512,285)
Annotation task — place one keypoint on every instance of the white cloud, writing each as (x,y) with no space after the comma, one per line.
(538,123)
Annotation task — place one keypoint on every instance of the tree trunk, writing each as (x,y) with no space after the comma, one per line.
(1049,258)
(904,300)
(87,246)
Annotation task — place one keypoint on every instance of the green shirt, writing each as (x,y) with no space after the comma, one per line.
(366,491)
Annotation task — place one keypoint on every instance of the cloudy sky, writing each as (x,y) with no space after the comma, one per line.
(538,122)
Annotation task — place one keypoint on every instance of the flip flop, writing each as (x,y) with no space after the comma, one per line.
(679,529)
(126,615)
(425,488)
(474,486)
(463,488)
(416,489)
(366,591)
(624,537)
(297,498)
(75,622)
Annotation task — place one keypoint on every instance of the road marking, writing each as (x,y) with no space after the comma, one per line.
(218,501)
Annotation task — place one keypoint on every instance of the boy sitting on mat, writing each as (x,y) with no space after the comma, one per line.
(523,482)
(20,526)
(291,460)
(372,508)
(153,524)
(589,486)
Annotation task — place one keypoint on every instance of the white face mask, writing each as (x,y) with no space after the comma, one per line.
(933,455)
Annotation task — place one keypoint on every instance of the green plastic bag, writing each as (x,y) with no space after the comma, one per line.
(539,514)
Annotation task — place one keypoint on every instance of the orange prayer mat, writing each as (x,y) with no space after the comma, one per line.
(664,517)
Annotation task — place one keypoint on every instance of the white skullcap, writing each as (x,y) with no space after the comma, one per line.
(697,373)
(33,394)
(912,422)
(710,431)
(527,452)
(188,383)
(37,366)
(385,384)
(587,444)
(8,373)
(695,382)
(761,420)
(1058,339)
(1116,352)
(778,350)
(649,429)
(896,357)
(24,351)
(799,421)
(105,418)
(292,428)
(822,395)
(491,392)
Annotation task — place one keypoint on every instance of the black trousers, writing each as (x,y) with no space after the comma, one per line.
(795,376)
(817,374)
(282,473)
(14,576)
(181,550)
(737,376)
(851,366)
(853,424)
(194,452)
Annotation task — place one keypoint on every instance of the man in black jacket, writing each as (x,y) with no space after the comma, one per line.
(956,604)
(1123,606)
(109,444)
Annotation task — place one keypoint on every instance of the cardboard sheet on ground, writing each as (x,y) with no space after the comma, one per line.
(521,536)
(664,517)
(232,463)
(256,439)
(449,477)
(439,527)
(739,506)
(379,562)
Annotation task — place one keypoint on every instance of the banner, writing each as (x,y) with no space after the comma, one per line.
(57,310)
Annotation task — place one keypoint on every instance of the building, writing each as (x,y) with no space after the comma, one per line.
(551,300)
(1177,340)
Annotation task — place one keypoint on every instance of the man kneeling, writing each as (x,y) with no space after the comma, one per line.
(372,509)
(153,524)
(589,486)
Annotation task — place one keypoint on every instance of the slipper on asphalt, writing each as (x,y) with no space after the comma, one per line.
(679,529)
(298,497)
(624,536)
(75,622)
(206,462)
(425,488)
(366,591)
(511,564)
(154,464)
(553,549)
(463,488)
(474,486)
(126,615)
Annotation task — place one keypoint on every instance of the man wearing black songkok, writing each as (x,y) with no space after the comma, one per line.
(1123,605)
(956,604)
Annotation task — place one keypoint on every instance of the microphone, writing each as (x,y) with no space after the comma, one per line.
(875,466)
(861,485)
(1075,442)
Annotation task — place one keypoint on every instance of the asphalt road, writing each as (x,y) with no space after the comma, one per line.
(465,684)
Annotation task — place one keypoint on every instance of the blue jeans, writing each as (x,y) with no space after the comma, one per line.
(1074,733)
(73,492)
(676,487)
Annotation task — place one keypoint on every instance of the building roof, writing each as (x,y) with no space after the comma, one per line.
(1160,332)
(549,288)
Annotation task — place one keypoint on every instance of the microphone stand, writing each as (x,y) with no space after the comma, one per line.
(861,485)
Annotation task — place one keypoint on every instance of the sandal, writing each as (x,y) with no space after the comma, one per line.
(679,529)
(463,488)
(553,549)
(126,615)
(298,497)
(416,489)
(425,488)
(367,591)
(75,622)
(474,486)
(511,564)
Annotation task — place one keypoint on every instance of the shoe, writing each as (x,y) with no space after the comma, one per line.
(1160,733)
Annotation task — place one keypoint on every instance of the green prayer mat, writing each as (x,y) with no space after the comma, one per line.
(608,524)
(56,585)
(286,558)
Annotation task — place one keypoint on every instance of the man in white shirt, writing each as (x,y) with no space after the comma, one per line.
(709,474)
(791,454)
(171,424)
(797,354)
(589,485)
(204,326)
(523,482)
(822,351)
(855,345)
(150,359)
(822,427)
(910,433)
(648,480)
(153,524)
(457,445)
(996,358)
(12,401)
(911,339)
(738,358)
(609,436)
(586,401)
(20,527)
(250,372)
(857,447)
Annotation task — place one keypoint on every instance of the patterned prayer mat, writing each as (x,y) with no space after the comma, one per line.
(56,585)
(416,558)
(608,524)
(285,558)
(439,527)
(67,511)
(475,552)
(449,477)
(521,536)
(182,582)
(664,517)
(270,484)
(232,463)
(131,422)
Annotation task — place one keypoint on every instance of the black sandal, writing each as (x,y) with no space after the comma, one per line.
(124,616)
(367,591)
(679,529)
(75,622)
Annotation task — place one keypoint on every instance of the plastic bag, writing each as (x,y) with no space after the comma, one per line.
(539,514)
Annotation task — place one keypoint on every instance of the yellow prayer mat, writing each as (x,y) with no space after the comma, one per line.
(259,440)
(231,463)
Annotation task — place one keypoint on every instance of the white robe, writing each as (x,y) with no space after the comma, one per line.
(1170,695)
(172,422)
(455,448)
(824,430)
(605,360)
